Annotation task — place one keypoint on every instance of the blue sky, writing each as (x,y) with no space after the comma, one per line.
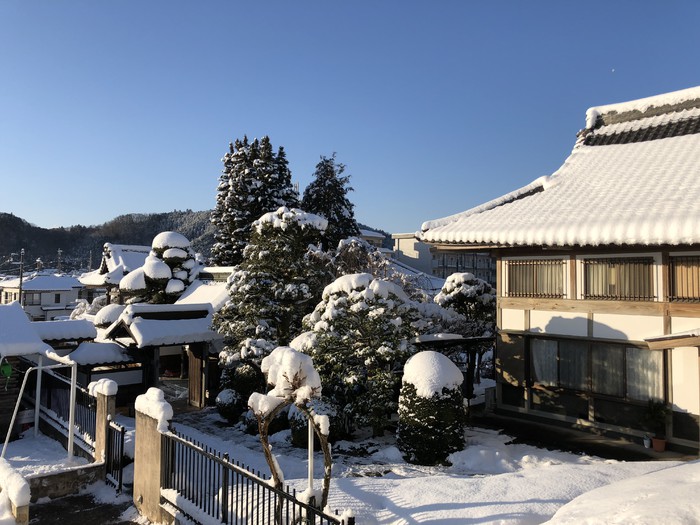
(128,106)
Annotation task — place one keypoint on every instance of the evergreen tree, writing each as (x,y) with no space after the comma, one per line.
(278,282)
(327,196)
(362,332)
(167,271)
(254,181)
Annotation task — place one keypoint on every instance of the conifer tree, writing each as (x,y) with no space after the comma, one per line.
(254,181)
(362,332)
(279,281)
(326,196)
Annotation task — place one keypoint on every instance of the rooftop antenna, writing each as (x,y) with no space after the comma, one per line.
(21,276)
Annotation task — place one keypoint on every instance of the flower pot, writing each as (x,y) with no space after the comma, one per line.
(658,444)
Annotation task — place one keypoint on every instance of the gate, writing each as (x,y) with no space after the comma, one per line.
(114,455)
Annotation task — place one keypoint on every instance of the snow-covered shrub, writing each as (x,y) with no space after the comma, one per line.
(431,409)
(363,335)
(170,267)
(299,425)
(473,298)
(238,383)
(229,404)
(296,382)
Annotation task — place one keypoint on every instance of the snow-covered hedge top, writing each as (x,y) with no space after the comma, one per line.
(462,284)
(13,484)
(284,216)
(154,405)
(107,315)
(155,268)
(304,342)
(291,373)
(430,372)
(347,284)
(103,386)
(166,240)
(133,281)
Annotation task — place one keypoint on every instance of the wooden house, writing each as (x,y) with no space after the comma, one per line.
(598,274)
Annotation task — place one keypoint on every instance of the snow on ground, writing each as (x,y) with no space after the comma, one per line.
(491,481)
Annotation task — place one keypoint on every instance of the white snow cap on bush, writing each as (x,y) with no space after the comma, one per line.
(155,268)
(430,372)
(170,240)
(285,364)
(109,314)
(284,216)
(364,281)
(133,281)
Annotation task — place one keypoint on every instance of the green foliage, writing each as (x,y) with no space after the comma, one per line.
(326,196)
(473,298)
(237,383)
(278,282)
(254,181)
(430,429)
(363,331)
(654,419)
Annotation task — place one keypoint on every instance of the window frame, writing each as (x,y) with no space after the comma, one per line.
(657,290)
(670,296)
(565,267)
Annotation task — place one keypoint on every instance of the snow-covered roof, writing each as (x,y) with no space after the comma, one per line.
(631,179)
(372,234)
(99,353)
(68,330)
(17,335)
(214,293)
(164,324)
(43,282)
(430,283)
(117,260)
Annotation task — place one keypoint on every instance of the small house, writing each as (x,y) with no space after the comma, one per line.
(44,296)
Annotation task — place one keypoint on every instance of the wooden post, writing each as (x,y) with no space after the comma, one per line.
(106,410)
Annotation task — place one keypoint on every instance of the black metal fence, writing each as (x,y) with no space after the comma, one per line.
(114,455)
(219,489)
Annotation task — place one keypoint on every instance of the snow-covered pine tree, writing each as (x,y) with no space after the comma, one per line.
(473,298)
(431,409)
(278,282)
(169,268)
(254,181)
(326,196)
(363,335)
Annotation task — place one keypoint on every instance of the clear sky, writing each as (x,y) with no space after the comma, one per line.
(112,107)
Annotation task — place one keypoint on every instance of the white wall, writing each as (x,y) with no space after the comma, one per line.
(685,382)
(560,323)
(630,327)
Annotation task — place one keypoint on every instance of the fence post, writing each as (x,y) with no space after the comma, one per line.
(152,416)
(105,390)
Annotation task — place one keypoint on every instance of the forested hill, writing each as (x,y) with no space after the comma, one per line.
(76,242)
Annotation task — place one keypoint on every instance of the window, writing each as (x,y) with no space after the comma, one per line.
(32,298)
(57,298)
(685,278)
(536,278)
(619,278)
(609,369)
(562,363)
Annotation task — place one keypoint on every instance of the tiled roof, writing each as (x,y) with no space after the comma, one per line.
(632,178)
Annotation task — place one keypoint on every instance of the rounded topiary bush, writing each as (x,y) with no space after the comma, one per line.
(228,404)
(242,380)
(431,409)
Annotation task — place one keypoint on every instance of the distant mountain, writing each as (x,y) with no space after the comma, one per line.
(81,246)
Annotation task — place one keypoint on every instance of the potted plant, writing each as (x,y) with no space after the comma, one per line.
(655,422)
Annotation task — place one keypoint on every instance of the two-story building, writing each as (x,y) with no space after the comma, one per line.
(45,296)
(598,274)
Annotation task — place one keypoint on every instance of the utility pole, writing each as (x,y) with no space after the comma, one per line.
(21,276)
(59,260)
